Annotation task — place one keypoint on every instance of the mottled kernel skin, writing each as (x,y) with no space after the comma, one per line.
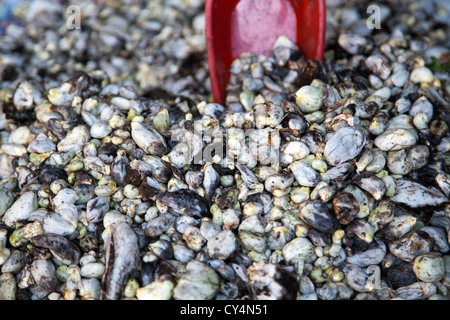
(121,178)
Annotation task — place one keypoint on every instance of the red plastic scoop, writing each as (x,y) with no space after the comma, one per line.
(237,26)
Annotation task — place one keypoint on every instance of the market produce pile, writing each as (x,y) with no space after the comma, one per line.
(121,179)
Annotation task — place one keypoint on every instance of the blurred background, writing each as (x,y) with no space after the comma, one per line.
(160,45)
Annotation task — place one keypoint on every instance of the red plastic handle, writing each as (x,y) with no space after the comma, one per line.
(224,43)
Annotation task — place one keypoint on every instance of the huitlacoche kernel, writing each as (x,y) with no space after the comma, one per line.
(141,187)
(309,99)
(429,267)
